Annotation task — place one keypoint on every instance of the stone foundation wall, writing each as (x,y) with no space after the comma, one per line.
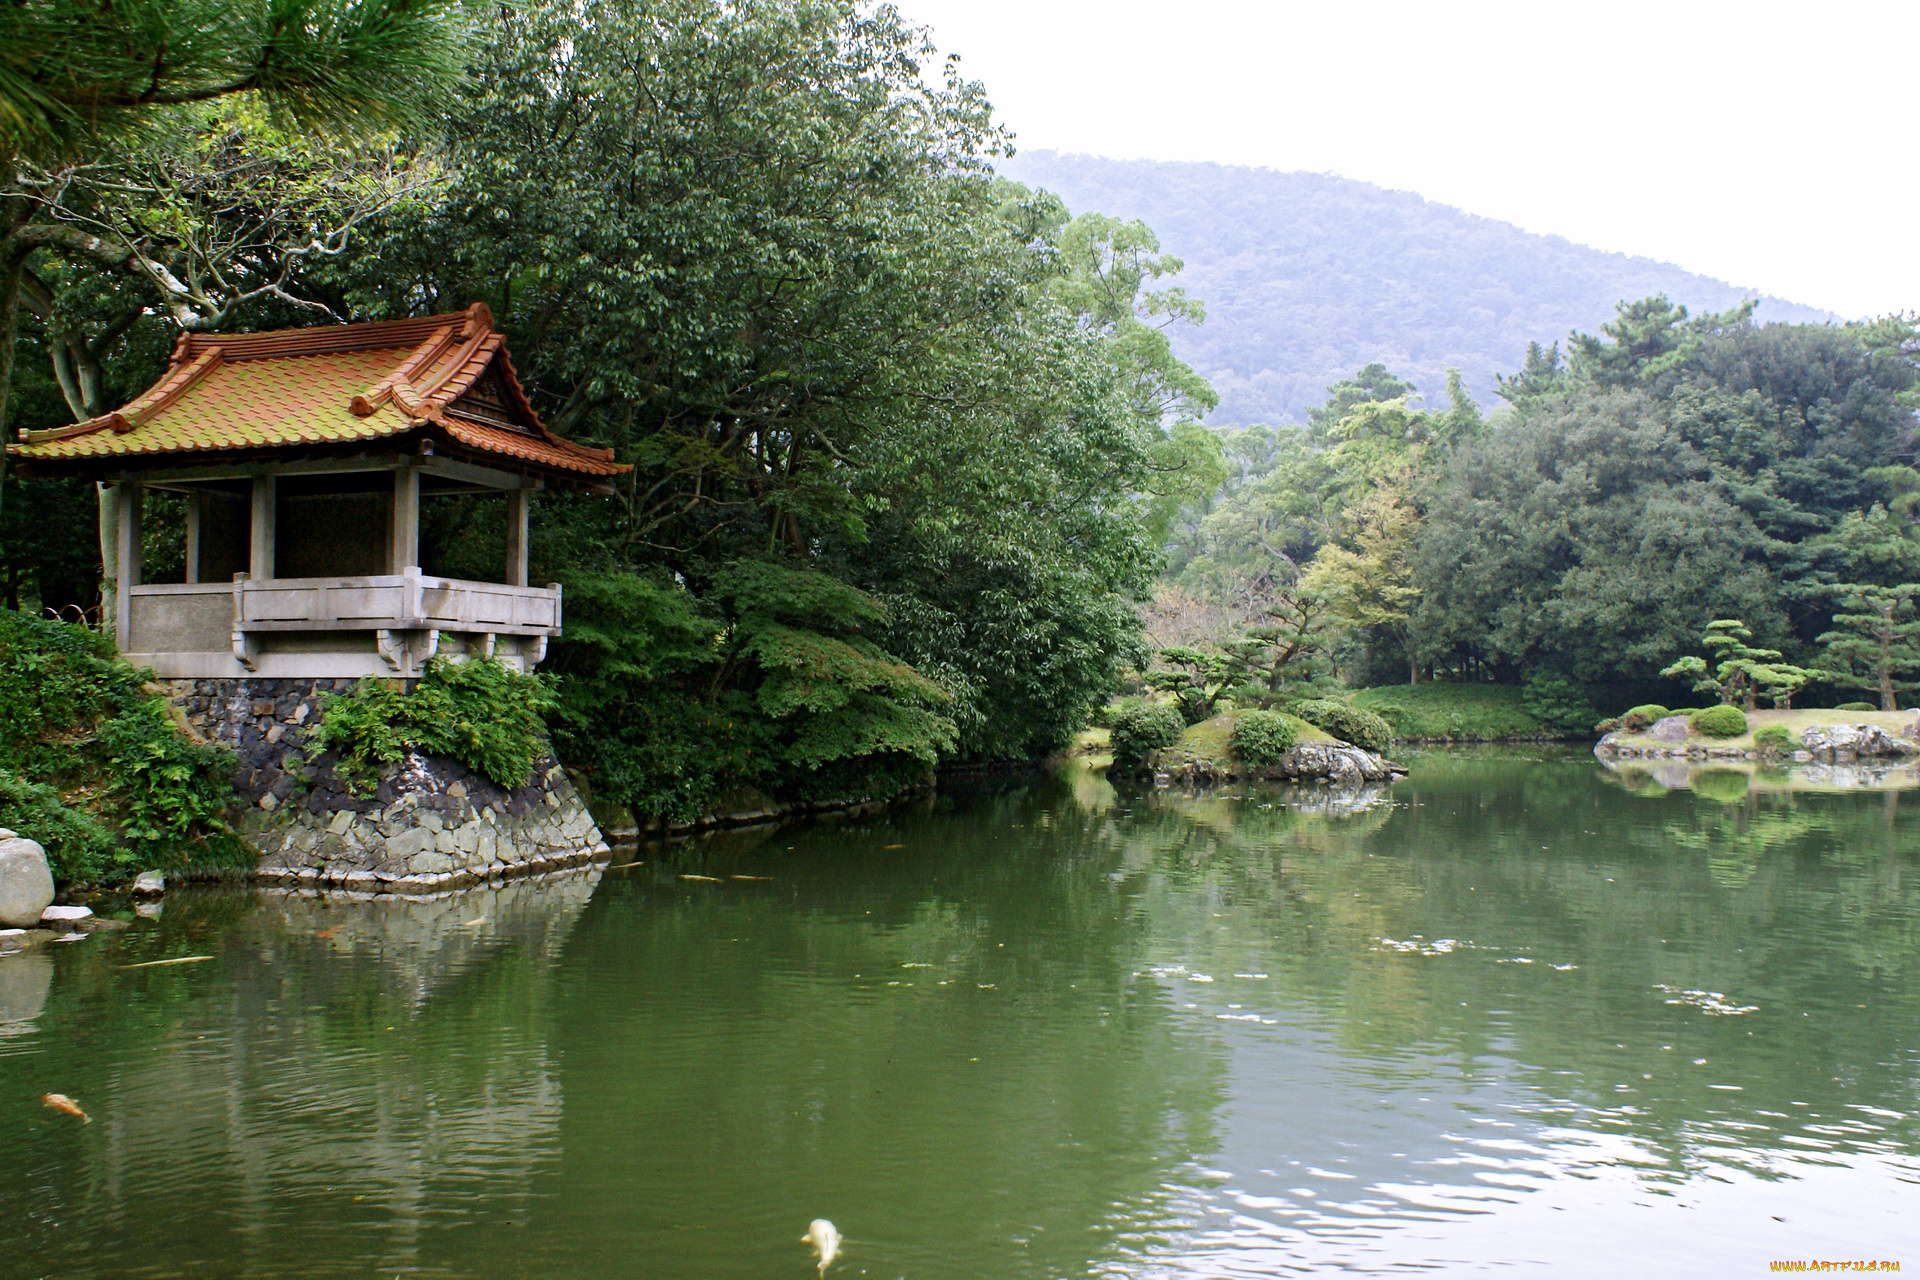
(432,824)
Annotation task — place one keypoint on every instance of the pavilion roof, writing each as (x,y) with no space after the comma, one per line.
(445,378)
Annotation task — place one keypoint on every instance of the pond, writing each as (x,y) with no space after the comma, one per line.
(1511,1015)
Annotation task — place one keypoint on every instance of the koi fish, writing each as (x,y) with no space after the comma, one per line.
(739,877)
(328,933)
(474,923)
(825,1238)
(893,846)
(708,879)
(68,1107)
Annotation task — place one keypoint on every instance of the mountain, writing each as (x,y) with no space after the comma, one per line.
(1306,277)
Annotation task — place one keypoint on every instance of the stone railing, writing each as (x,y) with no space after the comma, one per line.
(378,624)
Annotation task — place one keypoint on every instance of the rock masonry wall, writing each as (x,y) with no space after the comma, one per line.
(432,824)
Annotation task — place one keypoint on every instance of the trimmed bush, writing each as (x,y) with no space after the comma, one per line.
(1720,722)
(1142,729)
(1857,706)
(1775,737)
(1351,725)
(1261,737)
(1638,718)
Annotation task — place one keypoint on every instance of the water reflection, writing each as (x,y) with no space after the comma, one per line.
(1506,1012)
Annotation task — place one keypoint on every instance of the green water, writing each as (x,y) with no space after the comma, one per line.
(1515,1018)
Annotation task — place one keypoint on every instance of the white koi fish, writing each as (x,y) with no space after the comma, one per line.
(824,1237)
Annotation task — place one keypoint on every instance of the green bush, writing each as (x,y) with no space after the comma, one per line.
(1142,729)
(1857,706)
(1775,738)
(1720,722)
(1640,717)
(1262,737)
(93,767)
(481,712)
(1351,725)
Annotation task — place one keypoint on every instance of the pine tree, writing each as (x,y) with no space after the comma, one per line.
(1876,642)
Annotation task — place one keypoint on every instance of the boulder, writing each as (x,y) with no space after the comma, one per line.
(149,884)
(26,883)
(1670,729)
(65,913)
(1848,741)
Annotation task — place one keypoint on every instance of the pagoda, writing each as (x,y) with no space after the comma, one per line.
(303,457)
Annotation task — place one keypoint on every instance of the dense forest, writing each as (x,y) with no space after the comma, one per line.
(1666,473)
(1307,277)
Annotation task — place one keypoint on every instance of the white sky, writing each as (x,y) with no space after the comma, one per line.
(1768,144)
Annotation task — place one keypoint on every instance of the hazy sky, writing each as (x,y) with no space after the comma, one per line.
(1768,144)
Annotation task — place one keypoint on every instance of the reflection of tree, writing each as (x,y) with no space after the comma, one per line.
(1021,1086)
(1804,905)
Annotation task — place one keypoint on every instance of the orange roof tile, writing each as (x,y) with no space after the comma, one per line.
(335,384)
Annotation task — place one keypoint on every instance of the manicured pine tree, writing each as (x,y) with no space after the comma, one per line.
(1875,644)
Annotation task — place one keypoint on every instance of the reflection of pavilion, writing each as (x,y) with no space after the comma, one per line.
(375,1060)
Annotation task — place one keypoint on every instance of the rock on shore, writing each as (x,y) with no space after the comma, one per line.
(1334,763)
(26,882)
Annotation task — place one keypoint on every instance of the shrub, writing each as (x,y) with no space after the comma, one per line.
(1775,738)
(1857,706)
(92,765)
(1261,737)
(1560,705)
(480,712)
(1720,722)
(1351,725)
(1142,729)
(1638,718)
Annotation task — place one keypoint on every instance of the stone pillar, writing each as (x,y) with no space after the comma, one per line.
(517,503)
(260,528)
(196,511)
(128,537)
(405,550)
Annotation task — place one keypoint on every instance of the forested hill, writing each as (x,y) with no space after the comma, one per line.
(1306,277)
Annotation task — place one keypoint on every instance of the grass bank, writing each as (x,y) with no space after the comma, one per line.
(1461,712)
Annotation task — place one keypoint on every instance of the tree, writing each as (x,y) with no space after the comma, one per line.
(1875,643)
(1368,577)
(1289,643)
(73,72)
(1373,384)
(1735,671)
(758,249)
(1196,679)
